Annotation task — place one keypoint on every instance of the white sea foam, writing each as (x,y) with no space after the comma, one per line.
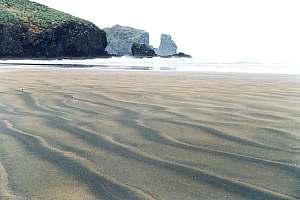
(156,64)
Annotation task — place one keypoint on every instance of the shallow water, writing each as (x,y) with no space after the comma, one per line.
(157,64)
(94,134)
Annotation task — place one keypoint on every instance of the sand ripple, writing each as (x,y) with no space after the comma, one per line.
(134,135)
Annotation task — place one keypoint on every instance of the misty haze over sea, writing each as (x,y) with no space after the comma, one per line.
(156,64)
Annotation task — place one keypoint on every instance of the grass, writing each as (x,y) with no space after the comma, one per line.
(27,12)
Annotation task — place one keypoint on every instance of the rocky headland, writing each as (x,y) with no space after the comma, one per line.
(32,30)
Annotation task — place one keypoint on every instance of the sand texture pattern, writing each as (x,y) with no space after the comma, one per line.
(90,135)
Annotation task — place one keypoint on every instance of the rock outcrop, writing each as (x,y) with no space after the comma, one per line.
(167,46)
(31,30)
(121,38)
(181,55)
(142,50)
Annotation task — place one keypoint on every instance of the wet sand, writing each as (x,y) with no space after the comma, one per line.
(90,134)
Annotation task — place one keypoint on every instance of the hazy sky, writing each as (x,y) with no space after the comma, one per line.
(212,30)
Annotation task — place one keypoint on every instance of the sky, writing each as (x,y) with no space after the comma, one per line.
(211,30)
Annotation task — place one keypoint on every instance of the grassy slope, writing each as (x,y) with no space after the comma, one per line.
(31,13)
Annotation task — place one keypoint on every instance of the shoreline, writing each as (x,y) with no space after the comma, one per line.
(145,65)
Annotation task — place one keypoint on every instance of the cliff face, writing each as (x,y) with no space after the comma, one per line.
(70,39)
(121,38)
(29,29)
(167,46)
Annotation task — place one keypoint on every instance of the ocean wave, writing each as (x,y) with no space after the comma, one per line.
(156,64)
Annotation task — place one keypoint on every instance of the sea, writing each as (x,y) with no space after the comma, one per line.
(156,64)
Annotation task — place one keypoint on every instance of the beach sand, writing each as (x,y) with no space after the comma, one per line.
(95,134)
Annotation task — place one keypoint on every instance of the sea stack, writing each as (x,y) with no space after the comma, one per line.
(121,38)
(32,30)
(167,46)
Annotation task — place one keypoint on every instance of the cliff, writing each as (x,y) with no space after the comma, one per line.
(29,29)
(121,38)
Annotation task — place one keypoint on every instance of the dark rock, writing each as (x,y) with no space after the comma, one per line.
(181,55)
(142,50)
(121,38)
(72,37)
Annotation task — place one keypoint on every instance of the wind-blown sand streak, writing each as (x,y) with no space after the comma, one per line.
(236,186)
(225,136)
(107,143)
(162,138)
(5,194)
(139,135)
(147,131)
(108,188)
(111,145)
(208,129)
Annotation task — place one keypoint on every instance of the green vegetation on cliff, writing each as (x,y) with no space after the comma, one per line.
(32,30)
(31,13)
